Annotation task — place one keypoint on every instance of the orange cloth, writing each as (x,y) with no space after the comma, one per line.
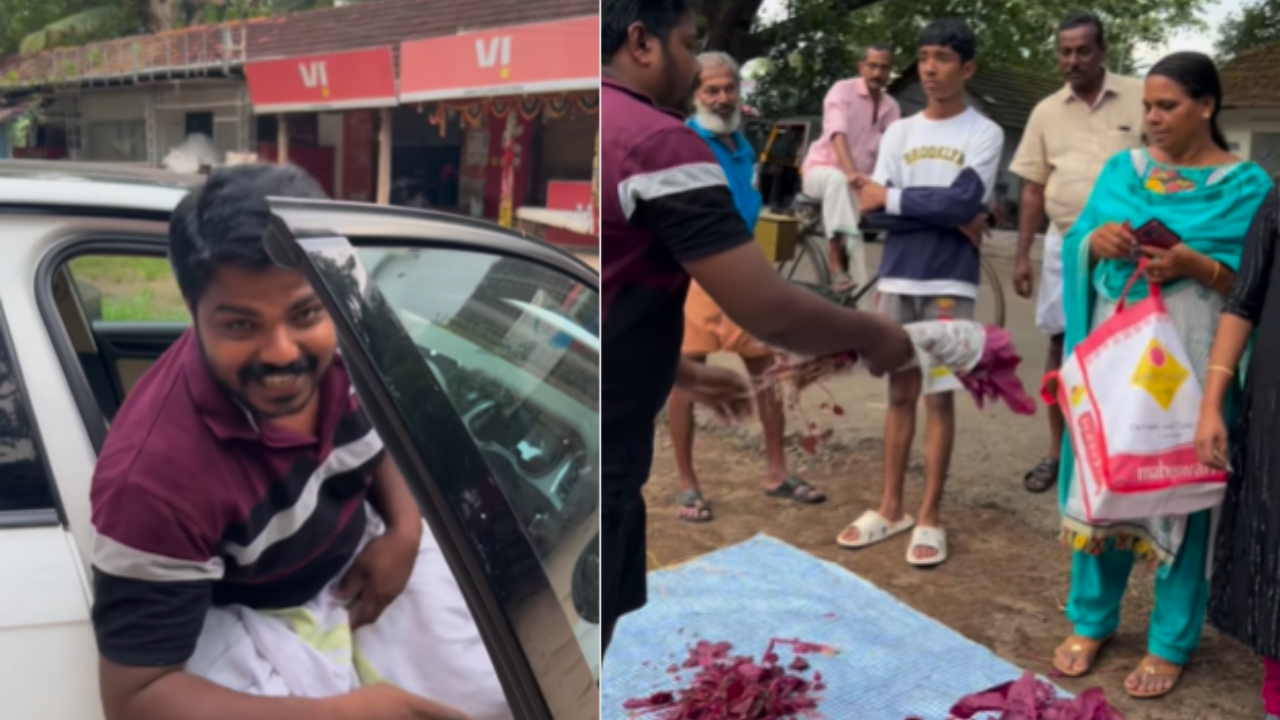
(707,330)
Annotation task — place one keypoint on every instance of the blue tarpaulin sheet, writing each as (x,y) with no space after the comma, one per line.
(893,662)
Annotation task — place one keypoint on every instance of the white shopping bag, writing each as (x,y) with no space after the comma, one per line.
(1132,403)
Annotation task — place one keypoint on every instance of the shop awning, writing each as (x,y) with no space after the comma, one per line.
(516,60)
(10,113)
(332,81)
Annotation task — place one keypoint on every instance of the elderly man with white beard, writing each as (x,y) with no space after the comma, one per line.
(717,117)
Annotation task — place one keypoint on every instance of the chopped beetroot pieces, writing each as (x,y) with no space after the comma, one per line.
(737,688)
(1029,698)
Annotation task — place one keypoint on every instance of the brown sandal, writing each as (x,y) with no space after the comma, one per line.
(1153,667)
(1080,648)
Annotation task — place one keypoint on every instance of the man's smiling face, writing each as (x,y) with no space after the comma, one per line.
(266,336)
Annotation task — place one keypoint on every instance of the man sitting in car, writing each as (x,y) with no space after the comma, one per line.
(257,553)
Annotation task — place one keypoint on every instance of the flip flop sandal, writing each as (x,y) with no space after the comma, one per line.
(693,500)
(928,537)
(1151,668)
(796,489)
(1041,477)
(1080,648)
(874,528)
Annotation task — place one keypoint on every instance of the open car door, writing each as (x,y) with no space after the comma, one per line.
(475,352)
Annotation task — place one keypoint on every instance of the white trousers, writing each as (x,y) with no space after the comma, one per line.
(839,215)
(1050,314)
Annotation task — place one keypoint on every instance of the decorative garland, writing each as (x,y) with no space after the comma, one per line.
(471,113)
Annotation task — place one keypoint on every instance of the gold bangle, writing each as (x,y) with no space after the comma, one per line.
(1217,269)
(1222,369)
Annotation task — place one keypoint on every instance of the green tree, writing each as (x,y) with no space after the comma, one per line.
(1254,26)
(31,27)
(818,43)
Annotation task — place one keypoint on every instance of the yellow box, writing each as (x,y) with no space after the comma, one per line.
(778,235)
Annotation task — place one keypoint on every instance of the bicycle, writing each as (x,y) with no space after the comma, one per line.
(814,269)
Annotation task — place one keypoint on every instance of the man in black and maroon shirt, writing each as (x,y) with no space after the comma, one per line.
(237,473)
(667,214)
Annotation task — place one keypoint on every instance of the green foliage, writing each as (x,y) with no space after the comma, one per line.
(817,44)
(1255,25)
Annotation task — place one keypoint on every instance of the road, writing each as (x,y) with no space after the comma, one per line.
(1008,577)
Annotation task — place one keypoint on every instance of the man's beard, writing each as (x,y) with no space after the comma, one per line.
(716,123)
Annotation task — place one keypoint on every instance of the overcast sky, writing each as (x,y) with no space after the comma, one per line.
(1216,12)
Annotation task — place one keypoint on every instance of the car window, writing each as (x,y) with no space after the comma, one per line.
(24,480)
(127,288)
(515,346)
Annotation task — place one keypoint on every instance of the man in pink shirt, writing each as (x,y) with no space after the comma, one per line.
(855,115)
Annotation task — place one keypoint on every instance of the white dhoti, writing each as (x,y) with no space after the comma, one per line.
(839,215)
(1050,315)
(425,642)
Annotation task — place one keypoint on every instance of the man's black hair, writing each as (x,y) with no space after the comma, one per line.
(1084,18)
(876,47)
(224,221)
(659,18)
(951,33)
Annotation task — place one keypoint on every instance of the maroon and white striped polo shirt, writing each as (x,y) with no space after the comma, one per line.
(196,505)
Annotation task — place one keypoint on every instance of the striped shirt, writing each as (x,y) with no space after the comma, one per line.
(194,505)
(665,201)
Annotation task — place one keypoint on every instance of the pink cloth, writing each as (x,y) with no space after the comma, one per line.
(849,109)
(1271,686)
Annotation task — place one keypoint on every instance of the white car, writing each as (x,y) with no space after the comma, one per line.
(475,350)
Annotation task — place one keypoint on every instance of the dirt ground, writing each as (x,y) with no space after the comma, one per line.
(1007,580)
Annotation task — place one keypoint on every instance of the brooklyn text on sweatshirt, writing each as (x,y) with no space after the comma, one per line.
(941,175)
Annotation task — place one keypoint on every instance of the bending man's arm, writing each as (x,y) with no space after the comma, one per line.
(168,693)
(675,190)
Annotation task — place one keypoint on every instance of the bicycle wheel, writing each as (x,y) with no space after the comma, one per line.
(810,264)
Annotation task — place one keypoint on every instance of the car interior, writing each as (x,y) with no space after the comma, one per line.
(113,355)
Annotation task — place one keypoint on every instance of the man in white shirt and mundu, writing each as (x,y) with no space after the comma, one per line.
(933,183)
(1071,134)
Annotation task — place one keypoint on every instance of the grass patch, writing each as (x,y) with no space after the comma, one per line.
(120,270)
(133,289)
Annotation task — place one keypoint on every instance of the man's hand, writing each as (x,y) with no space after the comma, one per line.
(857,180)
(871,196)
(1023,278)
(724,391)
(977,230)
(892,354)
(380,573)
(387,702)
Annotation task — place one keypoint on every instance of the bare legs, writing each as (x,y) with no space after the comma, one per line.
(899,432)
(1045,473)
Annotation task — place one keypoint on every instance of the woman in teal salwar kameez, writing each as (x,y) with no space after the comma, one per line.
(1189,181)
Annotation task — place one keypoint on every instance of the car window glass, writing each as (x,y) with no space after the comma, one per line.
(127,288)
(24,482)
(515,346)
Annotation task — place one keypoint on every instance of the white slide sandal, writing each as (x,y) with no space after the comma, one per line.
(933,538)
(874,528)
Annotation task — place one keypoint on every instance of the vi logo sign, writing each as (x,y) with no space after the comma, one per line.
(494,51)
(315,74)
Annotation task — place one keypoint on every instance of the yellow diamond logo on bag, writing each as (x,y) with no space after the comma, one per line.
(1160,374)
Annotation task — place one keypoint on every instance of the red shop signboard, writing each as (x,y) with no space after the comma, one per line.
(332,81)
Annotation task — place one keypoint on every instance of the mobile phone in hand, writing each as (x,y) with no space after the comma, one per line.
(1156,234)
